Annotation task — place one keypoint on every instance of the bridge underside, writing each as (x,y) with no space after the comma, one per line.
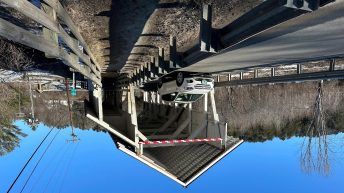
(176,140)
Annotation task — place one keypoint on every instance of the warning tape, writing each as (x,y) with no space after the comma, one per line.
(180,141)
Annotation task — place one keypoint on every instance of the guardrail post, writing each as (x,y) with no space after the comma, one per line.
(332,64)
(154,69)
(161,61)
(299,68)
(241,75)
(206,29)
(173,53)
(273,72)
(229,77)
(255,73)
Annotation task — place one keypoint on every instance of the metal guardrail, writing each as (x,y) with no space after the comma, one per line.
(299,76)
(266,15)
(55,40)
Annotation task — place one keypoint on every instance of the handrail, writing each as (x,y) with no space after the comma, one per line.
(48,43)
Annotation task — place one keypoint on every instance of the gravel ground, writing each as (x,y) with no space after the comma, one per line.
(114,29)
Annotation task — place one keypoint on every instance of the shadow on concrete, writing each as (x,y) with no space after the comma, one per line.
(145,46)
(177,5)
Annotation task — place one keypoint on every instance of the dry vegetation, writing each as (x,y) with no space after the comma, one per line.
(50,107)
(9,102)
(246,108)
(13,57)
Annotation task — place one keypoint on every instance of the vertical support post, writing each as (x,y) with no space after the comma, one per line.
(154,69)
(218,78)
(161,61)
(133,78)
(299,68)
(255,73)
(142,70)
(139,81)
(206,29)
(332,64)
(157,98)
(225,136)
(133,113)
(140,150)
(73,80)
(213,106)
(229,77)
(157,66)
(98,101)
(273,72)
(173,53)
(129,102)
(241,75)
(145,71)
(150,73)
(47,33)
(205,103)
(190,117)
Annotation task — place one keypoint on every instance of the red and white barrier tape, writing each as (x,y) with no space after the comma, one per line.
(180,141)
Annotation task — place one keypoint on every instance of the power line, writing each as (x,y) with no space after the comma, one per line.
(46,149)
(56,156)
(61,163)
(28,161)
(68,167)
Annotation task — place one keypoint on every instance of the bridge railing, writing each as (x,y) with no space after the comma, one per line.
(59,38)
(312,70)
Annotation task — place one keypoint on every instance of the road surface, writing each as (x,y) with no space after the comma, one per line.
(316,35)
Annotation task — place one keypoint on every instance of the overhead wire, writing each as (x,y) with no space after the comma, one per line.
(43,154)
(59,121)
(55,157)
(68,166)
(28,161)
(55,170)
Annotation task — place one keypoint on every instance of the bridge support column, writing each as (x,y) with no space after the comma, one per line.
(98,101)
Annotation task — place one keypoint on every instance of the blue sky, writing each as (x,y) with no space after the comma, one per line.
(95,165)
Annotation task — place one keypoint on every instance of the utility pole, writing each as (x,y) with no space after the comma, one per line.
(31,99)
(74,136)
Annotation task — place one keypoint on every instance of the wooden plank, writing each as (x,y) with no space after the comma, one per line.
(73,45)
(34,13)
(71,60)
(71,42)
(47,33)
(63,15)
(20,35)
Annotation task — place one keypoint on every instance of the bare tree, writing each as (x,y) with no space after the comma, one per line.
(13,57)
(315,149)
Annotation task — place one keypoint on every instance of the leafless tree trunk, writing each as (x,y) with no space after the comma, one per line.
(314,150)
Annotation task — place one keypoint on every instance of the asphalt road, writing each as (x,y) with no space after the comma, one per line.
(312,36)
